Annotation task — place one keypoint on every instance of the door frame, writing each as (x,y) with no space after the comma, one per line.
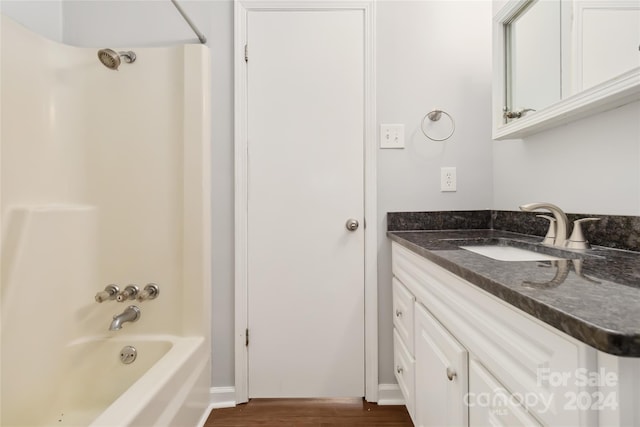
(241,8)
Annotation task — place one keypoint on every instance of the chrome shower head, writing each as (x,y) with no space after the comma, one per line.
(111,59)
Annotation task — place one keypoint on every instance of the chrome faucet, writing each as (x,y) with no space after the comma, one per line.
(561,220)
(130,314)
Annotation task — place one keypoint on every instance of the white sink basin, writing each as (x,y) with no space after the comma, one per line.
(509,253)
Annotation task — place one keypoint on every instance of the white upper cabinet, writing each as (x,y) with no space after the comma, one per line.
(556,61)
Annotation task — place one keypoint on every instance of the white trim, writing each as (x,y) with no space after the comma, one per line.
(219,397)
(370,208)
(605,96)
(240,148)
(222,397)
(205,416)
(390,394)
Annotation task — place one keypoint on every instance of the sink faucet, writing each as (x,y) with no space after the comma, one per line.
(130,314)
(559,215)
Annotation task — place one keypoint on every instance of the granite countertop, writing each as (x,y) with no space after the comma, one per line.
(593,297)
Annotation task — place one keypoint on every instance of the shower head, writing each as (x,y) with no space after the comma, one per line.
(111,59)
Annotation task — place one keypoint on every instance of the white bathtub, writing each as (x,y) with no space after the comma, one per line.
(97,389)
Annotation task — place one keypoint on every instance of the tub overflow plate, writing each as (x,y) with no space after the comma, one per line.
(128,354)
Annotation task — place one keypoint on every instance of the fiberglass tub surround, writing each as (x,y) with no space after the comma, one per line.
(104,181)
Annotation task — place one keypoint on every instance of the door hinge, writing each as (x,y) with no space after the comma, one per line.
(246,337)
(246,53)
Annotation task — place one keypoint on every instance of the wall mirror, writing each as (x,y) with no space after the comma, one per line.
(555,61)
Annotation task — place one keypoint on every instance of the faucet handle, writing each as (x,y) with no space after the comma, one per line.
(150,292)
(129,292)
(577,239)
(550,237)
(109,293)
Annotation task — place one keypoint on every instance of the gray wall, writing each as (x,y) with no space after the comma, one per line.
(589,166)
(430,54)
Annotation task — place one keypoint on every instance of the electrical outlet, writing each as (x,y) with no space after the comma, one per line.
(448,179)
(391,136)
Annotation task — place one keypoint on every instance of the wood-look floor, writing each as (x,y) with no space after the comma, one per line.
(310,413)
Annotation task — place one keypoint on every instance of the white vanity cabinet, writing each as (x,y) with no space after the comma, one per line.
(472,359)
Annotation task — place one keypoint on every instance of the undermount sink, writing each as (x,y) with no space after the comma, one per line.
(504,249)
(510,253)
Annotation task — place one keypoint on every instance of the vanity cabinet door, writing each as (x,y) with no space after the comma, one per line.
(441,381)
(492,405)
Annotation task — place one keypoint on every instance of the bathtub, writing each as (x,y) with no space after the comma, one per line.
(97,389)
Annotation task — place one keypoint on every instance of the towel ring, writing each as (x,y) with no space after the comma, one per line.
(434,116)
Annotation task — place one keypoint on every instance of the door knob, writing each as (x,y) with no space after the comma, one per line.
(352,224)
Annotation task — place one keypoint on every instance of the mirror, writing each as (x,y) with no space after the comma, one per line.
(533,57)
(561,60)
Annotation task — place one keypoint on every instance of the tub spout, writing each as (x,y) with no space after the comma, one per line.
(130,314)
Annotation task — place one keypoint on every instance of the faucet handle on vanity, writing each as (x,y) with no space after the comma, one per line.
(110,292)
(129,292)
(150,292)
(560,217)
(577,239)
(550,238)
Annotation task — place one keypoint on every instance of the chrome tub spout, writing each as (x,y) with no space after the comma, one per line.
(130,314)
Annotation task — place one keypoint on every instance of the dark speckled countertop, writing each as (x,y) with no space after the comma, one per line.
(593,297)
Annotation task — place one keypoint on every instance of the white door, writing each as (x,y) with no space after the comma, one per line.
(305,93)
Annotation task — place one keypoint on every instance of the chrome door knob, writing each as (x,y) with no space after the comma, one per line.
(352,224)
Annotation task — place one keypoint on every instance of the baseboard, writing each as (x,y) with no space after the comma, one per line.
(222,397)
(390,394)
(225,397)
(205,416)
(219,397)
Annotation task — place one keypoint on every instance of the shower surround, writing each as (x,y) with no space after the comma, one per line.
(105,178)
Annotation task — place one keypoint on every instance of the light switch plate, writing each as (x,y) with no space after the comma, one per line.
(392,136)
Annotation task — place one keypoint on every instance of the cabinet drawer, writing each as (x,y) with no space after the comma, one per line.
(404,369)
(490,404)
(403,313)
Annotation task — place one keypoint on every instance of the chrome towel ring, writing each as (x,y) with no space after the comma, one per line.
(435,116)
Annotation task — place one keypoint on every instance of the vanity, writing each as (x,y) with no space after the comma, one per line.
(551,340)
